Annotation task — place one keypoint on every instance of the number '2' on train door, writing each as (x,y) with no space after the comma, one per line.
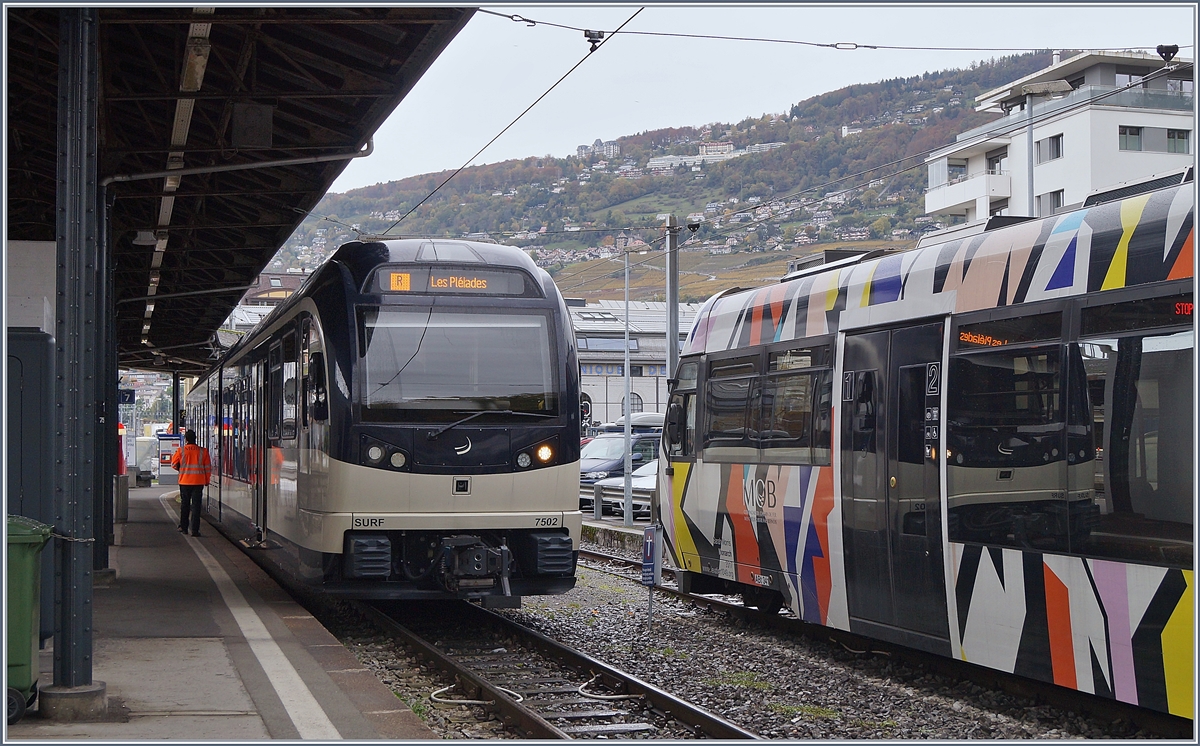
(891,517)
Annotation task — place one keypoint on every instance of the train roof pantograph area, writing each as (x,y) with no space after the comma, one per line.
(198,89)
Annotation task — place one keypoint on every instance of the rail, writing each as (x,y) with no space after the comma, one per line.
(631,706)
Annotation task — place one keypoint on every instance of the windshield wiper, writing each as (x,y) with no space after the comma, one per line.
(433,435)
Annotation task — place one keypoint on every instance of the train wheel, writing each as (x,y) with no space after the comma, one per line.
(16,706)
(766,601)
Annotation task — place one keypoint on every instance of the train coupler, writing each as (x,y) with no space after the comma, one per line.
(472,565)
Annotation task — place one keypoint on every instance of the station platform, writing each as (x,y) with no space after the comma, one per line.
(194,641)
(611,532)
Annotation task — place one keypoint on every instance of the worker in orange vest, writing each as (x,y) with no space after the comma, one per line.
(194,468)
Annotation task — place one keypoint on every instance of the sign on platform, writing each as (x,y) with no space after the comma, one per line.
(125,396)
(652,556)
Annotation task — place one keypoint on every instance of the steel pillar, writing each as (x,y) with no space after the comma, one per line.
(105,388)
(77,358)
(1029,155)
(672,296)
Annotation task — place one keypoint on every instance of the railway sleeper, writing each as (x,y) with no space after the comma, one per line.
(609,729)
(581,714)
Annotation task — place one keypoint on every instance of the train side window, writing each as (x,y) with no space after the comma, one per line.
(686,379)
(730,388)
(1006,454)
(796,416)
(1142,404)
(788,413)
(681,424)
(863,422)
(316,396)
(275,393)
(290,392)
(910,420)
(823,419)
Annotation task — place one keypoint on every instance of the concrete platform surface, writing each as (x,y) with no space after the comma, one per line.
(195,642)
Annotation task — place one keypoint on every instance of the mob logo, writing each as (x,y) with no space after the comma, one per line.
(757,493)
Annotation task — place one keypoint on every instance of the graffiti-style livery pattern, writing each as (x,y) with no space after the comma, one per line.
(767,526)
(1118,630)
(1143,239)
(1115,629)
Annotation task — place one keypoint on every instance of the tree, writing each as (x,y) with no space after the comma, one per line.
(881,227)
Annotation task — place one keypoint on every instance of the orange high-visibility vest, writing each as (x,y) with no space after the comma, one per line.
(192,463)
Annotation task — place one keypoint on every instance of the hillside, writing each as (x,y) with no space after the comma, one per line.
(792,182)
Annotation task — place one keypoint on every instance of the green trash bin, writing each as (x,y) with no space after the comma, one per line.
(26,538)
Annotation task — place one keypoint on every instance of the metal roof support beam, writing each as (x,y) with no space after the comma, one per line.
(74,694)
(361,153)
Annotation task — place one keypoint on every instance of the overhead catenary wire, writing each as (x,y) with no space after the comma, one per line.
(1002,128)
(840,46)
(594,48)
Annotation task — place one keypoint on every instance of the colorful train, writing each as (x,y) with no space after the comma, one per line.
(981,448)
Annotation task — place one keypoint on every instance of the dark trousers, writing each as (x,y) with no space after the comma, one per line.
(189,506)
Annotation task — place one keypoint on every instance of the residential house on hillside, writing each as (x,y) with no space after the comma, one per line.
(271,289)
(1096,135)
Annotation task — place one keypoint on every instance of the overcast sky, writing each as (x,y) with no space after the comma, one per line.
(495,68)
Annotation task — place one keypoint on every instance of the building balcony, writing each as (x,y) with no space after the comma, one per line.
(966,191)
(1134,98)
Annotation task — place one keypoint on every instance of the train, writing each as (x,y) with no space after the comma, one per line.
(404,426)
(981,447)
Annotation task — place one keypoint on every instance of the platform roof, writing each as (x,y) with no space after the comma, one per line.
(173,87)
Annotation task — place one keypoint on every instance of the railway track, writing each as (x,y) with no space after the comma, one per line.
(538,686)
(1167,726)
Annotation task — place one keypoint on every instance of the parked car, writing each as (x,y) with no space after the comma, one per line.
(604,455)
(642,422)
(644,481)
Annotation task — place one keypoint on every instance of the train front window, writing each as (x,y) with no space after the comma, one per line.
(428,365)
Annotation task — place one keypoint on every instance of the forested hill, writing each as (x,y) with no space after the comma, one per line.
(574,204)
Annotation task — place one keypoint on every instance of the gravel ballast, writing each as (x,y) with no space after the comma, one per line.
(778,685)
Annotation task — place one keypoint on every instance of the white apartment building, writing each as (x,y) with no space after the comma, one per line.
(1083,141)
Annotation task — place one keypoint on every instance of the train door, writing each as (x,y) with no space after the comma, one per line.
(891,389)
(259,446)
(677,458)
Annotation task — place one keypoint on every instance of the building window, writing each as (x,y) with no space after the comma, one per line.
(1050,203)
(1124,79)
(1049,149)
(955,171)
(1177,141)
(1178,86)
(997,160)
(1129,138)
(276,282)
(635,403)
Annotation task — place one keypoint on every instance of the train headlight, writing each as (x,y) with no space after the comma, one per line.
(523,460)
(374,454)
(397,460)
(545,453)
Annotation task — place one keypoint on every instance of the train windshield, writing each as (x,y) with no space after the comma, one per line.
(433,364)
